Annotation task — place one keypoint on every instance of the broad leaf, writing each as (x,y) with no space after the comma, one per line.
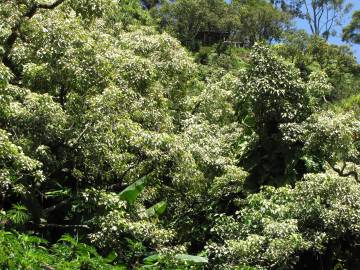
(191,258)
(152,259)
(157,209)
(130,193)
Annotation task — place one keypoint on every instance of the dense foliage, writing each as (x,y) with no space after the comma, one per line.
(204,22)
(352,31)
(173,135)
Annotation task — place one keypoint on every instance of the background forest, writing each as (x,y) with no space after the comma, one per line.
(187,134)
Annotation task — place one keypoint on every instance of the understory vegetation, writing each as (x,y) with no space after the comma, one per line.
(188,134)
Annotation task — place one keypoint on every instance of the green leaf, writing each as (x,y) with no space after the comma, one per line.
(68,239)
(18,214)
(157,209)
(130,193)
(152,259)
(58,193)
(191,258)
(119,267)
(111,257)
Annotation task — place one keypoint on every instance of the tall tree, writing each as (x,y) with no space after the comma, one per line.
(205,22)
(193,21)
(250,21)
(271,97)
(323,15)
(351,32)
(292,7)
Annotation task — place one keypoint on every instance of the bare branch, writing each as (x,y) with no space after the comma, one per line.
(308,17)
(316,26)
(320,14)
(61,226)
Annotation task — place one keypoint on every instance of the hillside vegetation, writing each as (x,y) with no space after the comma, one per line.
(188,134)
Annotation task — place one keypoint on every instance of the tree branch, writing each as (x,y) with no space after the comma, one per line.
(47,267)
(344,174)
(61,226)
(115,187)
(15,32)
(50,6)
(308,17)
(316,26)
(50,209)
(72,144)
(320,14)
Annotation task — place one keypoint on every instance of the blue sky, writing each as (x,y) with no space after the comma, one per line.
(301,24)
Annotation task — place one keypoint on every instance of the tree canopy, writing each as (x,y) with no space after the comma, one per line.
(352,31)
(175,135)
